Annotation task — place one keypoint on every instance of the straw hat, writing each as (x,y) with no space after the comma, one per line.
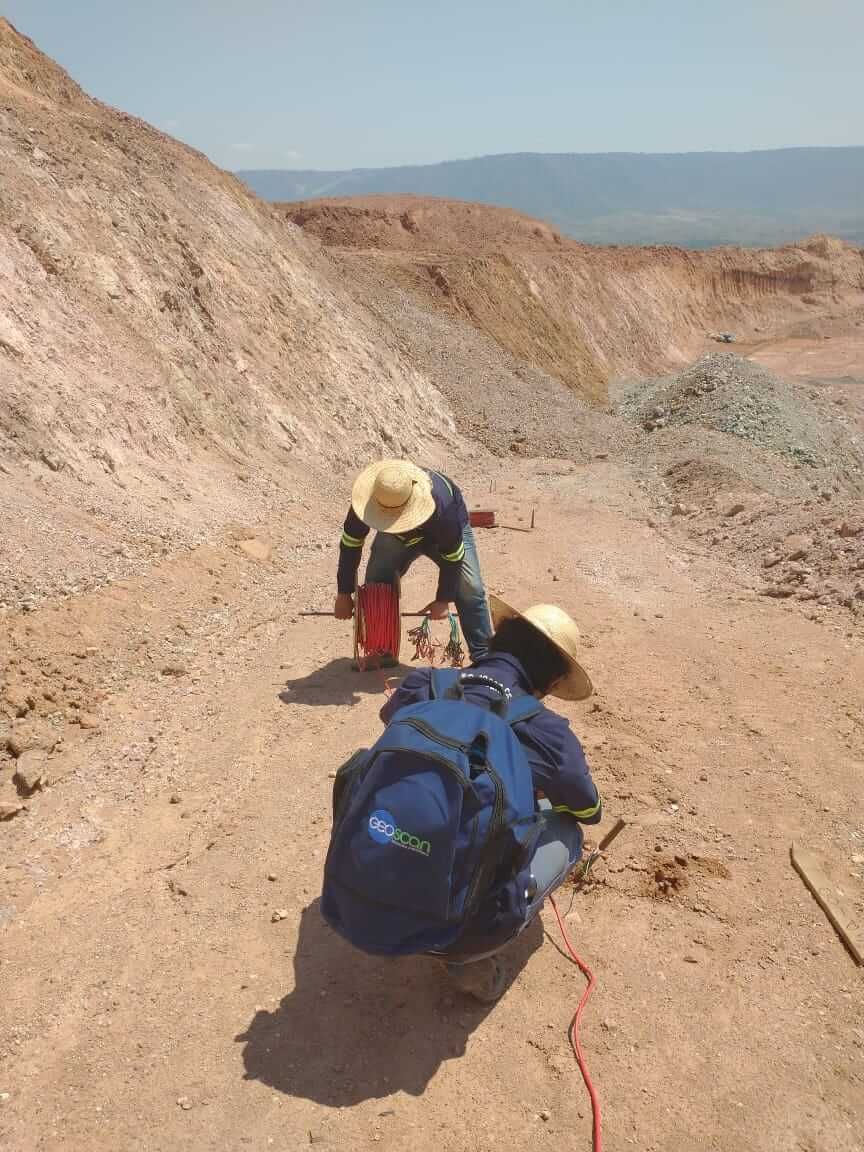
(556,626)
(393,496)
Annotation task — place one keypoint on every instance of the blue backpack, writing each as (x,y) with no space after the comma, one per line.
(434,827)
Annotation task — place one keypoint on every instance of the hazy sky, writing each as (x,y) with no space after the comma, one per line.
(353,83)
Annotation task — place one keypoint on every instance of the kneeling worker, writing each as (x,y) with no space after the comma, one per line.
(415,512)
(454,864)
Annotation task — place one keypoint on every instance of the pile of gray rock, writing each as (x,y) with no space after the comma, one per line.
(728,394)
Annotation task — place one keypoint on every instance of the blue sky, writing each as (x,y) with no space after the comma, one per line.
(334,84)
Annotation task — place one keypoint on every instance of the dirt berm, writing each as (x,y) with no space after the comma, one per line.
(580,312)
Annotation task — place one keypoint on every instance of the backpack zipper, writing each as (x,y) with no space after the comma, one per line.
(464,782)
(494,829)
(433,734)
(498,807)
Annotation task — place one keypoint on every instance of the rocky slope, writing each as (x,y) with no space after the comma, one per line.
(581,313)
(173,353)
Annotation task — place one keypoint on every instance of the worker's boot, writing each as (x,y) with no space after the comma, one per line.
(485,980)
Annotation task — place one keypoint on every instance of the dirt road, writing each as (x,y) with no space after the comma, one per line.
(151,1002)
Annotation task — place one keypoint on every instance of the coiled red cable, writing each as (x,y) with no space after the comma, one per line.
(597,1135)
(379,625)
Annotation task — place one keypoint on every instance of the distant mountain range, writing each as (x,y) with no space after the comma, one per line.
(695,199)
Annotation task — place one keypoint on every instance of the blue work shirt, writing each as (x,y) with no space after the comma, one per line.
(440,538)
(557,761)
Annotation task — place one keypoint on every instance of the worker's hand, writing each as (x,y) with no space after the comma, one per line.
(343,609)
(437,610)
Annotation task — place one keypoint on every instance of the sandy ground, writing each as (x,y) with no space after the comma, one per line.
(831,346)
(803,356)
(151,1003)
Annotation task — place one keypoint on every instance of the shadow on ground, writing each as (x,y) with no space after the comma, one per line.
(359,1028)
(338,683)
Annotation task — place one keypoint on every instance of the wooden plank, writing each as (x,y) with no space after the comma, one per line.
(807,866)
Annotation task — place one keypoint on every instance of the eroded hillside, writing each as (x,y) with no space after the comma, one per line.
(578,312)
(170,347)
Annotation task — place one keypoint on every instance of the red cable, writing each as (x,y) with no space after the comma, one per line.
(380,633)
(597,1138)
(379,630)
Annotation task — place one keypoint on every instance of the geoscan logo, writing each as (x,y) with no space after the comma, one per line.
(383,830)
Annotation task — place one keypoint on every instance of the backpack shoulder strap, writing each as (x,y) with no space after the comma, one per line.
(522,708)
(444,683)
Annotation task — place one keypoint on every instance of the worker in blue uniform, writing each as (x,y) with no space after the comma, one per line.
(414,512)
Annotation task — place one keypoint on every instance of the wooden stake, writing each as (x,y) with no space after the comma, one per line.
(824,893)
(618,827)
(580,872)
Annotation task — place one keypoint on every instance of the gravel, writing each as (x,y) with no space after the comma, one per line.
(727,394)
(499,402)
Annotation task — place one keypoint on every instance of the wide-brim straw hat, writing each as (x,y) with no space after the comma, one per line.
(393,496)
(558,627)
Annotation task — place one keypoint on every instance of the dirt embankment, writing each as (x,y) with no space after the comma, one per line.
(502,313)
(579,312)
(173,353)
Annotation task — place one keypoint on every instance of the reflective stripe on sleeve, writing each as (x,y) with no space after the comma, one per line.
(454,557)
(583,814)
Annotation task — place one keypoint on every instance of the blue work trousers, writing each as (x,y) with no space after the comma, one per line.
(391,557)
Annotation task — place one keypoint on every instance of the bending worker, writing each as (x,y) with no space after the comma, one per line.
(391,906)
(415,512)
